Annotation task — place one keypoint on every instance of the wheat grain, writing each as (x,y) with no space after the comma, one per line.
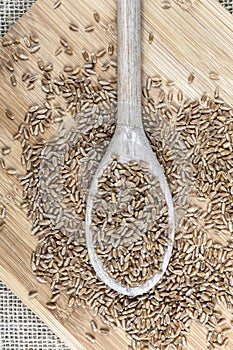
(57,4)
(7,42)
(94,326)
(50,305)
(74,27)
(6,150)
(90,28)
(90,337)
(2,163)
(111,49)
(3,212)
(96,16)
(166,4)
(34,49)
(32,294)
(104,330)
(191,78)
(213,75)
(198,264)
(126,201)
(9,66)
(11,171)
(13,80)
(151,37)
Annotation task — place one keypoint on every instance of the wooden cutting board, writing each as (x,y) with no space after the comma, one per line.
(198,39)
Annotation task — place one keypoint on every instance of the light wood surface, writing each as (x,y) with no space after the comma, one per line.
(199,40)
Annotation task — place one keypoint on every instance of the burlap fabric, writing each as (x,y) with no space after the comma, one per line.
(20,329)
(228,4)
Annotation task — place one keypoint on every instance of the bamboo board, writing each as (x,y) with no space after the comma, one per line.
(199,40)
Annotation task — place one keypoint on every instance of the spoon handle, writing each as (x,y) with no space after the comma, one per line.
(129,62)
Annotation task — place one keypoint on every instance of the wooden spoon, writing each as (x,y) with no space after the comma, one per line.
(129,141)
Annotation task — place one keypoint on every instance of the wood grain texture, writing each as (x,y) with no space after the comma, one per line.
(129,62)
(199,40)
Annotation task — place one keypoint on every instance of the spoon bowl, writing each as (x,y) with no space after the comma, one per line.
(129,143)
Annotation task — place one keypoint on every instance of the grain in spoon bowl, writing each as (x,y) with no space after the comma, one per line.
(130,223)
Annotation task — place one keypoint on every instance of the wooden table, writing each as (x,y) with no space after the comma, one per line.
(199,40)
